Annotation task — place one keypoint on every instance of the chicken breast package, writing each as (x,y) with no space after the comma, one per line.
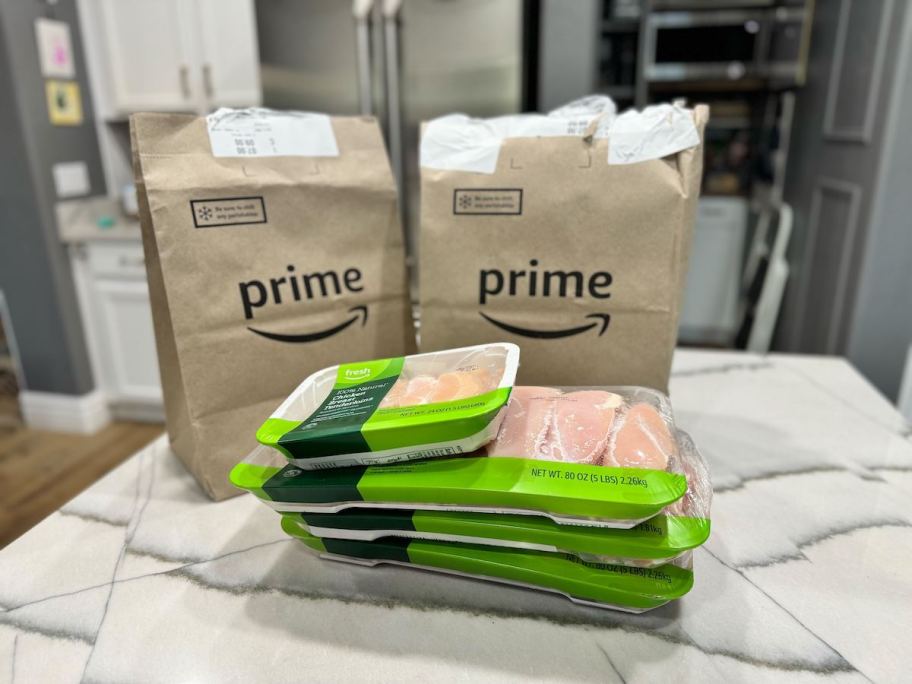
(607,457)
(661,539)
(390,410)
(619,587)
(649,544)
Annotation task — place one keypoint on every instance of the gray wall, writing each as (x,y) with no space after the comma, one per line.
(881,330)
(34,269)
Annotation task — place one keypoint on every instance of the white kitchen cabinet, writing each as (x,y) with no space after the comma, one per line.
(116,314)
(124,321)
(230,58)
(149,59)
(171,55)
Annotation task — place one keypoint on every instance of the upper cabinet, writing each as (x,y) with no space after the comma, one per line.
(149,60)
(171,55)
(230,59)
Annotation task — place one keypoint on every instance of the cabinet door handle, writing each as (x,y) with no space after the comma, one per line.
(207,80)
(185,81)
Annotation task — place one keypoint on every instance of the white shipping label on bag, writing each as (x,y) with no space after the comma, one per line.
(457,142)
(258,132)
(655,132)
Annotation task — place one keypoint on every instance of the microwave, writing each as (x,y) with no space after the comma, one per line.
(728,45)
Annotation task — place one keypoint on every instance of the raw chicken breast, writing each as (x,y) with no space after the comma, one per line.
(449,386)
(393,398)
(544,423)
(461,384)
(698,499)
(642,440)
(478,381)
(581,424)
(419,390)
(692,501)
(524,430)
(592,427)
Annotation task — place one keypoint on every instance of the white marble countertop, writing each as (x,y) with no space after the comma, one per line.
(806,577)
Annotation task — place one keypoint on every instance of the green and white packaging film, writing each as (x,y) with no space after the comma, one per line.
(567,493)
(653,542)
(601,534)
(598,584)
(360,413)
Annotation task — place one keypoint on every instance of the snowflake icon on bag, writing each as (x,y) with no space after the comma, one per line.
(465,202)
(204,213)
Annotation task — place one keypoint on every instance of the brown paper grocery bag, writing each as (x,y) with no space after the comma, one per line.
(567,234)
(273,249)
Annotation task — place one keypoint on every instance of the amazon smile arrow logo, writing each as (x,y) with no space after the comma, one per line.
(358,311)
(533,281)
(601,323)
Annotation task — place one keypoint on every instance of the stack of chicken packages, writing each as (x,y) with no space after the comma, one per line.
(437,461)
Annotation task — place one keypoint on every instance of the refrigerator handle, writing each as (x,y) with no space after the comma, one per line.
(391,9)
(361,12)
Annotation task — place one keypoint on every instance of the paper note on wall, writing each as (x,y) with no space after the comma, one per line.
(64,103)
(55,49)
(71,179)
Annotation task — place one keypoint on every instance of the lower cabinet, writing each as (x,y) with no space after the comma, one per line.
(117,319)
(127,340)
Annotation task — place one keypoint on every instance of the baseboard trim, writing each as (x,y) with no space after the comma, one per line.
(85,414)
(138,411)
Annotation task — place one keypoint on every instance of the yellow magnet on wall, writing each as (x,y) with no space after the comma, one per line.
(64,102)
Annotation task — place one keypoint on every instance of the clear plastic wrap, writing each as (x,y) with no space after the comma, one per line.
(625,427)
(681,527)
(568,492)
(447,376)
(390,410)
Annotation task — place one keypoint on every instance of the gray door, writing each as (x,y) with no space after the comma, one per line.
(837,143)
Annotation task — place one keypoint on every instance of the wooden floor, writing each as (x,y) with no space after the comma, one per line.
(41,471)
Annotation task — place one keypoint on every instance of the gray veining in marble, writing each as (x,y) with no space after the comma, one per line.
(804,579)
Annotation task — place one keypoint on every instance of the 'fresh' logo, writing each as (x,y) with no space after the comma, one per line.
(533,283)
(357,374)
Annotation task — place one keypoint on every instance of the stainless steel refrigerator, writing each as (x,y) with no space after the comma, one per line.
(406,61)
